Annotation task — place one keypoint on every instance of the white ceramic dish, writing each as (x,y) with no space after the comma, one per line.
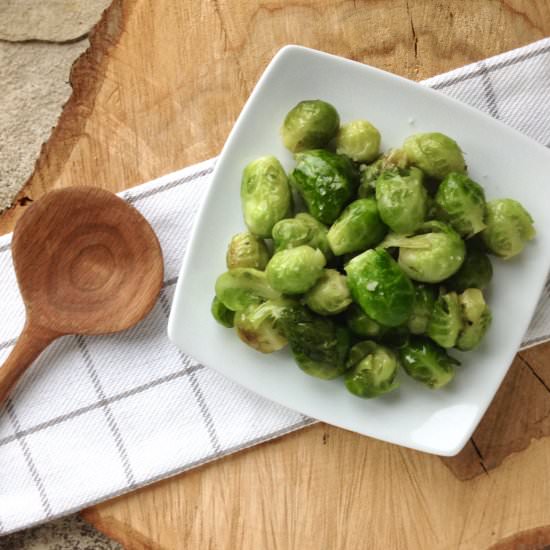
(504,161)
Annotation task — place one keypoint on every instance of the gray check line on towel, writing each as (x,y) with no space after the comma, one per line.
(29,460)
(101,403)
(111,421)
(491,69)
(197,391)
(489,90)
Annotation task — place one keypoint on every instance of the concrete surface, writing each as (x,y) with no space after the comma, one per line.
(39,41)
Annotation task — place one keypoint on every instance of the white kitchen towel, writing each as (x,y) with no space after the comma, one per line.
(98,416)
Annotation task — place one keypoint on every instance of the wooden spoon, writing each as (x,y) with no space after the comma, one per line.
(86,263)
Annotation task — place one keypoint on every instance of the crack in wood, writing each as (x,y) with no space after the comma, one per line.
(480,456)
(534,372)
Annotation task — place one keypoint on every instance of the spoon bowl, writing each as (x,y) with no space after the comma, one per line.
(86,263)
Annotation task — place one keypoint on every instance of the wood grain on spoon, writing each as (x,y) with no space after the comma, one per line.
(86,263)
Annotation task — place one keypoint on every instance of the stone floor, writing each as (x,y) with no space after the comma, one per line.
(39,41)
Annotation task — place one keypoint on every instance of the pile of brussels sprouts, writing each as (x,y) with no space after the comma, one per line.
(363,262)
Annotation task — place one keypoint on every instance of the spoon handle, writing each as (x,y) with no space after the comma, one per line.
(30,344)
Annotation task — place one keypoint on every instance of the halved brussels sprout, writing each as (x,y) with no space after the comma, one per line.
(247,250)
(427,363)
(222,314)
(446,321)
(462,203)
(432,255)
(265,195)
(373,370)
(359,140)
(326,181)
(243,286)
(300,230)
(509,227)
(310,125)
(330,295)
(359,227)
(402,199)
(379,286)
(476,318)
(475,272)
(361,324)
(258,325)
(319,346)
(424,300)
(435,154)
(295,270)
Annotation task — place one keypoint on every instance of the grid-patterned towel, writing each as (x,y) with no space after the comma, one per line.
(98,416)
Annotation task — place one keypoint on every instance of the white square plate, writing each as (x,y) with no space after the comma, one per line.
(507,164)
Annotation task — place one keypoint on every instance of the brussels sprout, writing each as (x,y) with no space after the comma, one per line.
(359,140)
(373,370)
(446,321)
(435,154)
(432,255)
(395,159)
(359,227)
(462,203)
(361,324)
(243,286)
(295,270)
(309,125)
(402,199)
(300,230)
(475,272)
(247,250)
(509,227)
(476,317)
(222,314)
(382,290)
(258,325)
(427,363)
(265,195)
(325,181)
(318,344)
(330,295)
(424,299)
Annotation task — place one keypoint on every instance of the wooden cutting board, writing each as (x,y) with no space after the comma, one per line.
(159,89)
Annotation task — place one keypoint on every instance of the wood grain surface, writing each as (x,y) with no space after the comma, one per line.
(159,89)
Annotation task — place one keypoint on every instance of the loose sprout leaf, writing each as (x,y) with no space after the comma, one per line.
(427,363)
(241,287)
(446,320)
